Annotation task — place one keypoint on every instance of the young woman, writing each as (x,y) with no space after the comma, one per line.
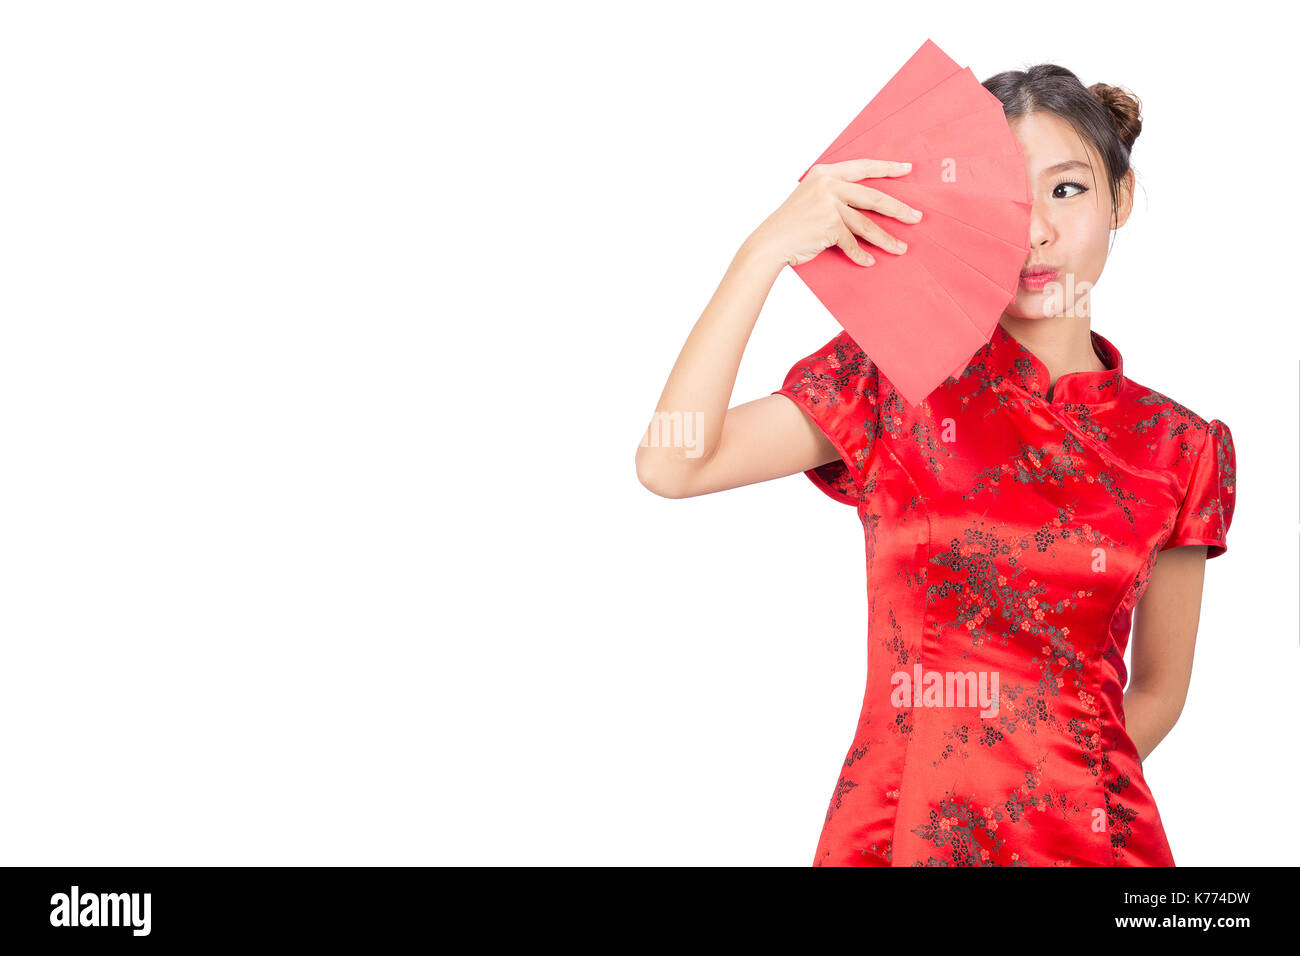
(1019,522)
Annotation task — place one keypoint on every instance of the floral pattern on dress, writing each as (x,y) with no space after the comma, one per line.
(1010,526)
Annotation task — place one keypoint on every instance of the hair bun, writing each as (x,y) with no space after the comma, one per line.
(1125,111)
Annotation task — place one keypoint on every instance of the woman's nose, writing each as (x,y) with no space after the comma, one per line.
(1040,225)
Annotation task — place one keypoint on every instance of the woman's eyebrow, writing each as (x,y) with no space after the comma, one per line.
(1062,167)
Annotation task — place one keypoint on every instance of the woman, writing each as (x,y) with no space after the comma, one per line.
(1017,522)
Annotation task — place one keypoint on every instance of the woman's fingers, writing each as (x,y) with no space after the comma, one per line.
(854,196)
(869,231)
(821,213)
(849,243)
(864,197)
(851,170)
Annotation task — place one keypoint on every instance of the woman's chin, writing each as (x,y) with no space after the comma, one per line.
(1027,305)
(1034,306)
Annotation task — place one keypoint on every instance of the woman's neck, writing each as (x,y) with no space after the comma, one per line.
(1063,343)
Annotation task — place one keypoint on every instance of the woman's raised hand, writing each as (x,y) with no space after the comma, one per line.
(823,212)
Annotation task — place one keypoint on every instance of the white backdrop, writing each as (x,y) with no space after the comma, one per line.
(329,333)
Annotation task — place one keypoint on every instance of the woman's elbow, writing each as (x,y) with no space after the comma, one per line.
(654,477)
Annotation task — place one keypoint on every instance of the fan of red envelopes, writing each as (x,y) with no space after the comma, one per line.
(919,316)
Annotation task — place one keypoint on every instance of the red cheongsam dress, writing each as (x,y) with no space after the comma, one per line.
(1009,535)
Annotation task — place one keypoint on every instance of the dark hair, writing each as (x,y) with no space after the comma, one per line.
(1108,117)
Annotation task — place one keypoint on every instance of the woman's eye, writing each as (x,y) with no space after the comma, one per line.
(1056,190)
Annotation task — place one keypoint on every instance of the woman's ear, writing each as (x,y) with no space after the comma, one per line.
(1125,203)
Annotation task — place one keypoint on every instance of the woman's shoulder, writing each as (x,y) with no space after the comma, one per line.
(1167,423)
(838,365)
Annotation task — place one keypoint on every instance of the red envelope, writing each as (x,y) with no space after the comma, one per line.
(920,316)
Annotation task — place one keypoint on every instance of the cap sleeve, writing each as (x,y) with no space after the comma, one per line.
(1206,511)
(837,387)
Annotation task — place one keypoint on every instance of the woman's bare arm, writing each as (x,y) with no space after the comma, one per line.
(695,444)
(767,438)
(1165,622)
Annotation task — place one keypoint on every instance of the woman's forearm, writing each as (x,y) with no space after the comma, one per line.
(1149,715)
(696,397)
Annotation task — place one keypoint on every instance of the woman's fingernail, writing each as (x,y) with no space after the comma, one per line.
(916,214)
(902,246)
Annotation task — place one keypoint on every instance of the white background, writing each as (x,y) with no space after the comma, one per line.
(329,333)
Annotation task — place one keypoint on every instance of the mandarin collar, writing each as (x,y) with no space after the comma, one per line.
(1007,359)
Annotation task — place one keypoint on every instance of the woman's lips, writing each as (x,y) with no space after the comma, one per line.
(1037,280)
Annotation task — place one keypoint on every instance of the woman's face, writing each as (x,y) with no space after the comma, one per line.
(1069,229)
